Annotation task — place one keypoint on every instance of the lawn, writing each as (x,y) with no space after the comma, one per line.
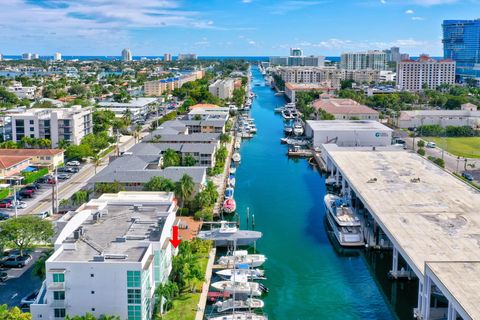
(463,147)
(184,307)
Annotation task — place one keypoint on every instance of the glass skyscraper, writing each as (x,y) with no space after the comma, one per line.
(461,43)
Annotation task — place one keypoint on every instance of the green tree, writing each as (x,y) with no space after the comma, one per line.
(39,266)
(25,231)
(158,183)
(421,151)
(189,161)
(184,189)
(225,138)
(171,158)
(13,314)
(80,151)
(421,143)
(113,187)
(80,197)
(96,161)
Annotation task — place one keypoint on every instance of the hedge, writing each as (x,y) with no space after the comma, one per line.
(30,177)
(4,193)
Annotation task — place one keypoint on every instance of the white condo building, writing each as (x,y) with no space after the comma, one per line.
(57,56)
(27,56)
(109,258)
(167,57)
(222,88)
(364,60)
(69,124)
(414,75)
(22,92)
(126,55)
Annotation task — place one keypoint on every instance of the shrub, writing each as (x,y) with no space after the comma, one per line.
(440,162)
(421,144)
(421,152)
(204,215)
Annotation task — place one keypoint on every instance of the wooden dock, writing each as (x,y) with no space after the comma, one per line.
(302,153)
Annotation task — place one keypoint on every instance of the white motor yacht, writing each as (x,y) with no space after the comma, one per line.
(242,257)
(250,303)
(345,224)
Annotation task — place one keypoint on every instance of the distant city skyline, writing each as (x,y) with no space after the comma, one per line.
(229,28)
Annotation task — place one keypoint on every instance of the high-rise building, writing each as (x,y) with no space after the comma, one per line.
(461,43)
(296,52)
(109,258)
(57,56)
(395,54)
(27,56)
(364,60)
(35,56)
(1,57)
(424,72)
(126,55)
(167,57)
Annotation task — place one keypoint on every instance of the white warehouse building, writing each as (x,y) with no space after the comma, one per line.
(109,258)
(348,133)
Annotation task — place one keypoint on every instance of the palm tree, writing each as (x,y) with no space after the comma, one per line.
(136,132)
(44,143)
(97,161)
(184,189)
(127,117)
(63,144)
(9,145)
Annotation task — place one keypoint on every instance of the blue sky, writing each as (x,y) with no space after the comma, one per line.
(226,27)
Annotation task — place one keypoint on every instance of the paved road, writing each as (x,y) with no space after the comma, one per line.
(452,163)
(21,282)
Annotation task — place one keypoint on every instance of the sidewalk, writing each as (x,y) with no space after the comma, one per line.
(205,287)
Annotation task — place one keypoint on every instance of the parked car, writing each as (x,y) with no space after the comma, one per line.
(43,214)
(467,176)
(4,216)
(5,203)
(52,181)
(31,187)
(30,298)
(3,276)
(43,179)
(21,204)
(26,193)
(431,144)
(18,261)
(64,176)
(73,163)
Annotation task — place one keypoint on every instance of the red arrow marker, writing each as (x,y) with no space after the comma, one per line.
(175,241)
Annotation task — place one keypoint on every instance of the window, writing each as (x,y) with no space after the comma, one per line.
(134,296)
(58,295)
(31,122)
(59,313)
(133,279)
(92,292)
(134,313)
(93,309)
(58,277)
(92,275)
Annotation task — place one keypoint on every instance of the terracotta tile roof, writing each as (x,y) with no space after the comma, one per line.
(342,106)
(9,161)
(30,152)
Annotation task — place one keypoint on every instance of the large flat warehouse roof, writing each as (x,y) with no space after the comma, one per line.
(434,218)
(462,281)
(347,125)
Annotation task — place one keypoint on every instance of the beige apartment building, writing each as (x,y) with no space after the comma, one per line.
(222,88)
(414,75)
(157,88)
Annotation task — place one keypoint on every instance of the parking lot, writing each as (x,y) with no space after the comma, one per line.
(40,195)
(20,283)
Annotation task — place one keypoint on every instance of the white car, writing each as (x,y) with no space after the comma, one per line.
(21,204)
(73,163)
(43,214)
(431,145)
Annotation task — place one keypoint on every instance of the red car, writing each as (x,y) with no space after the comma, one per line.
(5,204)
(51,181)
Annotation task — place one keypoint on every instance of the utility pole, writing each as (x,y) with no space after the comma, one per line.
(15,198)
(56,189)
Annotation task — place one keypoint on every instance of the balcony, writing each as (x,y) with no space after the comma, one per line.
(58,304)
(56,286)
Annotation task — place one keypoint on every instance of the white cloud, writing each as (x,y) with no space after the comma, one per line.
(292,5)
(409,11)
(247,1)
(417,19)
(251,42)
(383,1)
(433,2)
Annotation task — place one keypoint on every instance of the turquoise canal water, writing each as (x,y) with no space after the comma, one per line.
(307,278)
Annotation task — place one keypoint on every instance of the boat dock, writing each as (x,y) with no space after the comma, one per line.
(300,153)
(428,217)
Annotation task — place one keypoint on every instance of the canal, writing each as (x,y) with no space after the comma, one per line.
(307,277)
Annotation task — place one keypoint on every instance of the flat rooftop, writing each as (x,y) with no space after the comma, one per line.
(462,281)
(116,229)
(435,218)
(347,125)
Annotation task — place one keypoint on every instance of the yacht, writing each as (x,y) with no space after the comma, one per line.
(229,193)
(243,269)
(250,303)
(287,114)
(228,233)
(287,128)
(229,205)
(242,257)
(240,316)
(239,287)
(297,128)
(236,157)
(345,224)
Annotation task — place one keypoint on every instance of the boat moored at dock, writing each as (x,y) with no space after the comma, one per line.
(229,205)
(228,234)
(243,257)
(240,316)
(250,303)
(345,224)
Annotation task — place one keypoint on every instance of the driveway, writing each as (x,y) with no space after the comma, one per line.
(21,282)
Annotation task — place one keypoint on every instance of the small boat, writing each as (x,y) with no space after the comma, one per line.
(229,205)
(297,128)
(229,193)
(279,109)
(231,180)
(250,303)
(228,233)
(240,316)
(287,128)
(242,257)
(233,170)
(239,287)
(283,140)
(331,181)
(236,157)
(243,270)
(280,93)
(345,224)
